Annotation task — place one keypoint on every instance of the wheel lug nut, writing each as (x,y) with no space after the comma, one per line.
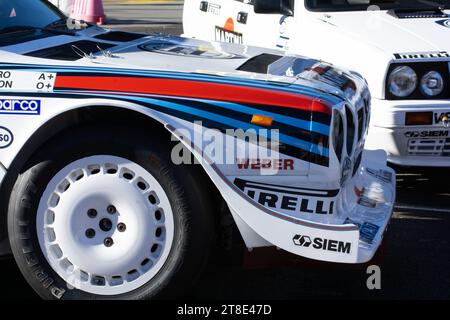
(90,233)
(111,209)
(92,213)
(121,227)
(105,224)
(108,242)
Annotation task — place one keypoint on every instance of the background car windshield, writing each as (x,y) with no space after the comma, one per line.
(36,13)
(360,5)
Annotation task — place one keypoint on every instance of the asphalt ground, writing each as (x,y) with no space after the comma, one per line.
(414,258)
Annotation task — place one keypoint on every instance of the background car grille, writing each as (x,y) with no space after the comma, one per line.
(429,147)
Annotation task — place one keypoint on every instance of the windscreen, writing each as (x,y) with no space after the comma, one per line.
(362,5)
(34,13)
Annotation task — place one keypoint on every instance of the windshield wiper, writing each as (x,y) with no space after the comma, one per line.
(63,23)
(57,23)
(26,29)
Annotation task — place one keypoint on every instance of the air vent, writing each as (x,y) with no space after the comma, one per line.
(439,147)
(70,51)
(120,36)
(260,63)
(338,134)
(350,131)
(418,13)
(357,163)
(360,123)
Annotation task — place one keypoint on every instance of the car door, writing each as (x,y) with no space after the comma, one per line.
(231,21)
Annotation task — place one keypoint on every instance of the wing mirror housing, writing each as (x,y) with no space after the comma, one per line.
(284,7)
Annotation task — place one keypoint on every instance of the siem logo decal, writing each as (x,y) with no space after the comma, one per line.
(25,107)
(322,244)
(6,138)
(427,134)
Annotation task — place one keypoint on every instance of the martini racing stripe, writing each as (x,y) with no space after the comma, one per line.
(299,119)
(193,89)
(320,118)
(292,128)
(284,87)
(288,145)
(230,123)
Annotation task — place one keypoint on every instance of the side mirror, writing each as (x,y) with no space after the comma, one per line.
(284,7)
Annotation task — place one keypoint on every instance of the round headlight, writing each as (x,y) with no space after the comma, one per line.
(432,83)
(402,81)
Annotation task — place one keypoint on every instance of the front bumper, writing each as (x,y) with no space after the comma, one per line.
(354,234)
(427,145)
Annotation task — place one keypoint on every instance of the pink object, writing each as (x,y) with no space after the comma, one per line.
(89,11)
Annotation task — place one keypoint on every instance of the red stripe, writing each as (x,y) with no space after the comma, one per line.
(194,89)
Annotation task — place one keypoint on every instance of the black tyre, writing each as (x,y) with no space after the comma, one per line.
(102,213)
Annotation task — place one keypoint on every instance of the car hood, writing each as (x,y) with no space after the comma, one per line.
(392,35)
(177,54)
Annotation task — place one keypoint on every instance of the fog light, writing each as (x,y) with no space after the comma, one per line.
(419,118)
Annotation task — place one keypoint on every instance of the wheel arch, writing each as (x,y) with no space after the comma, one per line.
(81,116)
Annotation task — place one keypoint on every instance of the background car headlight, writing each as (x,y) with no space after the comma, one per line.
(432,83)
(402,81)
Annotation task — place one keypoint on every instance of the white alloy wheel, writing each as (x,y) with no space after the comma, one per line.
(105,225)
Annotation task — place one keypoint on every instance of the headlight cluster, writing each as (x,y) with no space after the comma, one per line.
(417,81)
(432,83)
(402,81)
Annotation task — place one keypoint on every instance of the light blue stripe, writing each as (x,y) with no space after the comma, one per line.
(232,122)
(308,146)
(303,124)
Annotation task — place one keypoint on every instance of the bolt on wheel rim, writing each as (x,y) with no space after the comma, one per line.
(105,225)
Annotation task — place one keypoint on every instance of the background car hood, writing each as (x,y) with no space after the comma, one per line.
(391,34)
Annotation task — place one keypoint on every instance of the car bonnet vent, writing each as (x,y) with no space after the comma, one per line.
(70,51)
(120,36)
(260,63)
(418,13)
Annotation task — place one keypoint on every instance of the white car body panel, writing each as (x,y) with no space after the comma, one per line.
(364,41)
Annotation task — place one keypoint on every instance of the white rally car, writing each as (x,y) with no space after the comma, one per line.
(100,196)
(400,47)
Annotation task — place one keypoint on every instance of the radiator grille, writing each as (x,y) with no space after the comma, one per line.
(429,147)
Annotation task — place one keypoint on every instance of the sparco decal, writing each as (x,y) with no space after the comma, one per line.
(301,200)
(18,106)
(322,244)
(427,134)
(6,137)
